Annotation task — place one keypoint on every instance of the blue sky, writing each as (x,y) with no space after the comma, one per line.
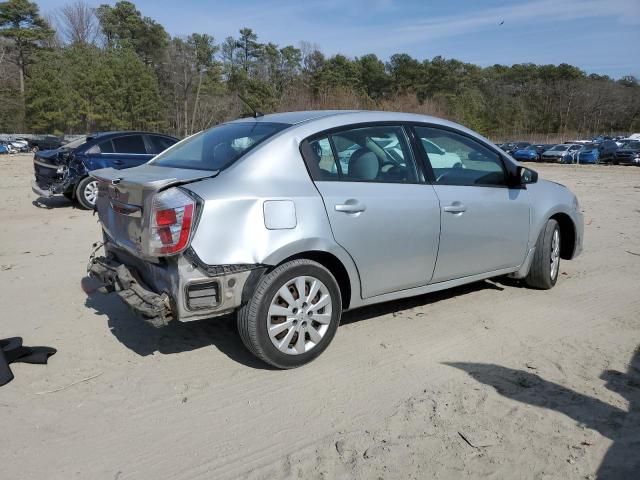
(600,36)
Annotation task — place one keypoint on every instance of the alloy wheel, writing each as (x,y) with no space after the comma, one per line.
(91,192)
(299,315)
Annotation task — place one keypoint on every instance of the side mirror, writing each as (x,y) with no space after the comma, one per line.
(527,176)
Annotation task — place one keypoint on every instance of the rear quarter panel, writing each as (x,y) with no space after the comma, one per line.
(232,228)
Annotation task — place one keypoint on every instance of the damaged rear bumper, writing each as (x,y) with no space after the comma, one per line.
(179,288)
(116,277)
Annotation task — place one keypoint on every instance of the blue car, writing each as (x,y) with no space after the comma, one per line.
(3,148)
(527,154)
(65,170)
(531,153)
(589,153)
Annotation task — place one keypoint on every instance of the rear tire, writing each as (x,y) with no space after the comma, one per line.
(545,266)
(276,339)
(87,193)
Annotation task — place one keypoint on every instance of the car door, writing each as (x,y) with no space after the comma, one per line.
(485,223)
(380,210)
(129,151)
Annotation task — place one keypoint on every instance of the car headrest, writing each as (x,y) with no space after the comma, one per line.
(364,165)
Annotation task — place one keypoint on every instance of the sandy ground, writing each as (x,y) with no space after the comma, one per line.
(490,380)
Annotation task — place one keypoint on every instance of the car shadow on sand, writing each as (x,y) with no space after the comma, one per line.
(221,332)
(397,306)
(622,460)
(177,337)
(49,203)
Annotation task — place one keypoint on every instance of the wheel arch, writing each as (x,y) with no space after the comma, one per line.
(335,266)
(567,235)
(326,259)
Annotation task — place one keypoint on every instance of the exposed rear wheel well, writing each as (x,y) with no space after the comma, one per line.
(567,235)
(336,268)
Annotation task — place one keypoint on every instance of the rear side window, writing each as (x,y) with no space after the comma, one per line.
(461,160)
(160,144)
(368,154)
(319,159)
(129,144)
(218,147)
(106,146)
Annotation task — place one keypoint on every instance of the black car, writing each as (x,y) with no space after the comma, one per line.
(607,150)
(45,142)
(629,154)
(65,170)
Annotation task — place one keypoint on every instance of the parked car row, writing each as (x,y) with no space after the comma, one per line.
(617,151)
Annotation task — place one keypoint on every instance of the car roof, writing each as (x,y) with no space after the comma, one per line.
(124,132)
(339,118)
(348,116)
(293,118)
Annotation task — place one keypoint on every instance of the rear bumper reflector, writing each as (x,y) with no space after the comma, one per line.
(202,295)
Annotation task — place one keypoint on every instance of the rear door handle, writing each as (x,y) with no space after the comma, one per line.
(455,208)
(350,207)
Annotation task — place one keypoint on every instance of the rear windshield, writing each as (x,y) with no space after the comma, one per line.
(218,147)
(75,143)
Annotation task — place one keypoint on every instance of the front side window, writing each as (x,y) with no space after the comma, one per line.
(218,147)
(368,154)
(131,144)
(461,160)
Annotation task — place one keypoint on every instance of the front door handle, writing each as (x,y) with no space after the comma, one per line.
(350,207)
(455,208)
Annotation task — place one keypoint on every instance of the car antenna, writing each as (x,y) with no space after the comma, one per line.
(256,113)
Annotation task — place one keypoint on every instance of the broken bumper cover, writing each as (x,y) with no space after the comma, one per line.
(41,192)
(181,288)
(116,277)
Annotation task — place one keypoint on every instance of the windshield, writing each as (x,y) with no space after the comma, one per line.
(75,143)
(218,147)
(560,148)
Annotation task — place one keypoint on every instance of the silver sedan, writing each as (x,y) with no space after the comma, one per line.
(291,219)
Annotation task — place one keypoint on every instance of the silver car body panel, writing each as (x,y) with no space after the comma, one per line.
(491,234)
(393,252)
(264,209)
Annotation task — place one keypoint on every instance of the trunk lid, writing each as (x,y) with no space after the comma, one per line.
(124,200)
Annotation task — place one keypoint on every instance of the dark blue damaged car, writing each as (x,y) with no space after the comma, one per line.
(65,170)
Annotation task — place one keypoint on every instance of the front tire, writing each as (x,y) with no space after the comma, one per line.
(87,193)
(293,314)
(545,266)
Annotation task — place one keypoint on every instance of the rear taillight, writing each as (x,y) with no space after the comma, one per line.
(172,217)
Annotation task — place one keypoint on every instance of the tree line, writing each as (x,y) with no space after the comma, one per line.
(84,69)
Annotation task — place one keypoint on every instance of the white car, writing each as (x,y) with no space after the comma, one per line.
(19,145)
(439,157)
